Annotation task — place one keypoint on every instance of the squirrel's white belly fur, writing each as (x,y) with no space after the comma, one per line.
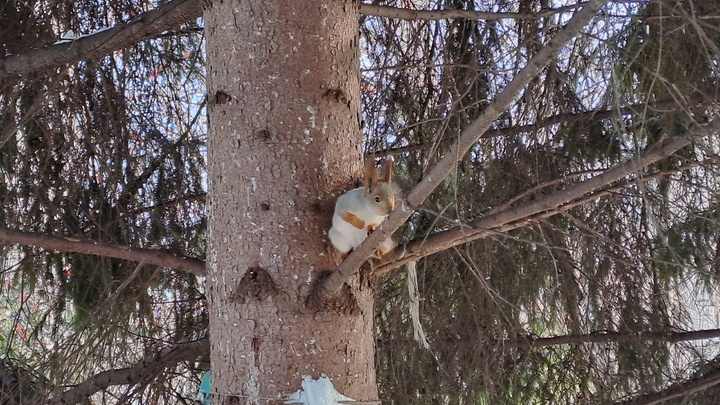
(343,235)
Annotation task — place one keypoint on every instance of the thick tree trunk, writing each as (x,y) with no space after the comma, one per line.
(283,96)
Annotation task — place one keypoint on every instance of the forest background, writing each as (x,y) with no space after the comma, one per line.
(571,255)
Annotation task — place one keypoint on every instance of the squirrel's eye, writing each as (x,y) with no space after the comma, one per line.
(377,198)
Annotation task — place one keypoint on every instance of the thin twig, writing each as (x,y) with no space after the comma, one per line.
(428,15)
(694,100)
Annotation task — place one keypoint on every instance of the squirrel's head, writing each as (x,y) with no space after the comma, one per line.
(380,194)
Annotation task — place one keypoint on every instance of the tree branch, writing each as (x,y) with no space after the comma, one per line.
(694,100)
(145,370)
(95,46)
(682,389)
(427,15)
(593,337)
(170,15)
(199,197)
(515,217)
(613,337)
(468,137)
(161,258)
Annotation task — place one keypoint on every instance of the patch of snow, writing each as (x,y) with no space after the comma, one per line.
(317,392)
(68,36)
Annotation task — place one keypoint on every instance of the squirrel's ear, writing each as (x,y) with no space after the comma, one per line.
(388,166)
(370,175)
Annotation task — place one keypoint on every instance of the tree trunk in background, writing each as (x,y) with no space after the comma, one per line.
(283,96)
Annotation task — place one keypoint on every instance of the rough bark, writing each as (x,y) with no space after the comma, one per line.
(283,88)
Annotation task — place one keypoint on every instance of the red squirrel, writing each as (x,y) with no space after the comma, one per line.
(363,209)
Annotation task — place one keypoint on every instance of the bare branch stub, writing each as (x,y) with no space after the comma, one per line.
(256,284)
(342,302)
